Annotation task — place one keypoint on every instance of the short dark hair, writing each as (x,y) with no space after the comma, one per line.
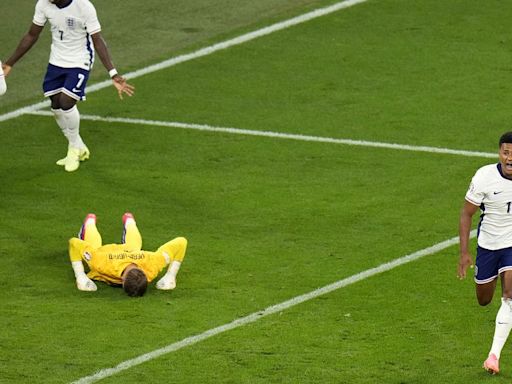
(506,138)
(135,282)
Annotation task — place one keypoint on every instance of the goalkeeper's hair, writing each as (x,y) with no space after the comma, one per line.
(506,138)
(135,282)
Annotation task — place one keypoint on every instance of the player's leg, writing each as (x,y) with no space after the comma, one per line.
(131,235)
(503,323)
(52,87)
(68,118)
(174,252)
(486,274)
(89,232)
(65,87)
(3,85)
(485,291)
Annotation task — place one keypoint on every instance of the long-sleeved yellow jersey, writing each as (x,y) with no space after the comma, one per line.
(108,262)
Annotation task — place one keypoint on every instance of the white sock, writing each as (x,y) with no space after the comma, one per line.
(57,113)
(503,327)
(71,120)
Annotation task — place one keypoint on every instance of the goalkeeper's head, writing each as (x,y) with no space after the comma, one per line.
(135,281)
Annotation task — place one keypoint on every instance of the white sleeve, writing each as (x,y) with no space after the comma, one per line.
(476,194)
(92,24)
(3,85)
(39,16)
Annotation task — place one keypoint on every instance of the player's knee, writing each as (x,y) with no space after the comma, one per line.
(67,103)
(182,241)
(62,101)
(484,302)
(484,299)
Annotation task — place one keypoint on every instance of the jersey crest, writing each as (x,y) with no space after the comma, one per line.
(70,22)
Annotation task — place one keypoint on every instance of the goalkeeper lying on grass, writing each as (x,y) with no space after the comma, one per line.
(123,264)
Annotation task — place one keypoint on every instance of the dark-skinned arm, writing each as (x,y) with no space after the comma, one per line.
(26,42)
(118,81)
(466,216)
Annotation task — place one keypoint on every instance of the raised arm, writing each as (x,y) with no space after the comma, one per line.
(466,216)
(26,42)
(174,253)
(118,81)
(76,250)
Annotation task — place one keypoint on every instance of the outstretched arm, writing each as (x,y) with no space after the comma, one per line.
(118,81)
(174,253)
(76,250)
(24,46)
(465,260)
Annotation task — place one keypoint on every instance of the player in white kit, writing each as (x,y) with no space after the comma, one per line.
(3,85)
(490,192)
(76,34)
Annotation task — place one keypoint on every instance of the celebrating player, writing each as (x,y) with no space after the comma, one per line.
(491,191)
(123,264)
(76,33)
(3,85)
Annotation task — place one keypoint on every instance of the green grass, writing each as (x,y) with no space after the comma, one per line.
(266,219)
(166,29)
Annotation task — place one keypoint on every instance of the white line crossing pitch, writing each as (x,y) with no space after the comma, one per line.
(279,135)
(299,299)
(253,317)
(202,52)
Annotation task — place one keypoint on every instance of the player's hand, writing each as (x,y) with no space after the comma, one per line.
(166,283)
(86,284)
(122,86)
(6,68)
(465,261)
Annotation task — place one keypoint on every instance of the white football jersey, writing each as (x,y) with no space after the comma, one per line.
(71,27)
(490,190)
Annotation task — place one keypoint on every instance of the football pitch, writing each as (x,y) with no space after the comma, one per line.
(314,153)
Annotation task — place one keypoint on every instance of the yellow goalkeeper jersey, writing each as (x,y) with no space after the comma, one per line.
(108,262)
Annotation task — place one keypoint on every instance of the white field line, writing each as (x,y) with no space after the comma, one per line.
(202,52)
(104,373)
(289,136)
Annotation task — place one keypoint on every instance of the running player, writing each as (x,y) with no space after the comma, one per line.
(491,192)
(76,34)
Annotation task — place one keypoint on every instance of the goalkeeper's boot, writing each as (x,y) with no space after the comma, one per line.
(127,216)
(83,154)
(492,364)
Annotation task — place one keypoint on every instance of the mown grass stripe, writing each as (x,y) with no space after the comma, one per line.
(253,317)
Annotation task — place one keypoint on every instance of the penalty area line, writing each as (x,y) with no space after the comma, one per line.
(279,135)
(104,373)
